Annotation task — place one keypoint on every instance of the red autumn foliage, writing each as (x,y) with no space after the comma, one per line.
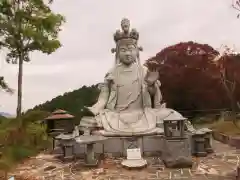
(190,80)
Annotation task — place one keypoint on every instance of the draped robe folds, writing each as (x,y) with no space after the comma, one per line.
(124,106)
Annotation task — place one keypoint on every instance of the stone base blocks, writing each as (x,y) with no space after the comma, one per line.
(177,153)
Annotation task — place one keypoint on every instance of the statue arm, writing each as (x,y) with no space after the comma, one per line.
(153,86)
(102,99)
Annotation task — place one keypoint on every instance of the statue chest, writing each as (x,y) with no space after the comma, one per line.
(128,77)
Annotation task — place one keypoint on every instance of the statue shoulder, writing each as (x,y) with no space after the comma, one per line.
(110,74)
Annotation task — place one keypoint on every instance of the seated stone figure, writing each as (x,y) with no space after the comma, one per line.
(130,99)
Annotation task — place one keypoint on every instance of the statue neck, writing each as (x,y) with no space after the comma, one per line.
(128,65)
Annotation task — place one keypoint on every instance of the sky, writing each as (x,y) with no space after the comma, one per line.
(87,39)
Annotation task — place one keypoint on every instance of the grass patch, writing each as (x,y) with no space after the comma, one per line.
(226,127)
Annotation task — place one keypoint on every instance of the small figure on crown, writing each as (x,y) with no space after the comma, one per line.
(125,33)
(125,24)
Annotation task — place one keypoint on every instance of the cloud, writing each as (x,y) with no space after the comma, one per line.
(87,38)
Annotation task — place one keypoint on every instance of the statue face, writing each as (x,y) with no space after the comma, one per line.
(128,54)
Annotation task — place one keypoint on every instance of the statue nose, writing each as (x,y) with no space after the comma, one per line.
(128,53)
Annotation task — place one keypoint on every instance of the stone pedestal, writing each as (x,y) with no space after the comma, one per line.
(134,163)
(198,139)
(90,141)
(150,145)
(177,153)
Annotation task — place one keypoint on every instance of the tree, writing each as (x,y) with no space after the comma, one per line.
(190,80)
(228,63)
(27,26)
(236,6)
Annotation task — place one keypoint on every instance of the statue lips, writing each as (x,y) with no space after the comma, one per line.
(129,58)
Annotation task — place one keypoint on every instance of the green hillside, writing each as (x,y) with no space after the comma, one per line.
(72,102)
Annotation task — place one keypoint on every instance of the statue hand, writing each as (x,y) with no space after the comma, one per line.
(91,110)
(152,77)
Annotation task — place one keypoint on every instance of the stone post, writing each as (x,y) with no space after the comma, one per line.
(167,132)
(238,173)
(208,140)
(67,147)
(199,144)
(181,128)
(55,141)
(90,159)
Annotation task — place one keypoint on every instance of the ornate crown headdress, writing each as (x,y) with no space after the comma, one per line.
(125,36)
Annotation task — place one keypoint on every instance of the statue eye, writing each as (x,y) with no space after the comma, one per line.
(122,50)
(131,48)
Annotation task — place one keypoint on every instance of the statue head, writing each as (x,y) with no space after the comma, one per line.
(127,50)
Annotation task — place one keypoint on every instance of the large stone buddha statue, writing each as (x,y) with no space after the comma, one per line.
(130,99)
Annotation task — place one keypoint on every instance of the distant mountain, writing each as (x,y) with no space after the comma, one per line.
(8,115)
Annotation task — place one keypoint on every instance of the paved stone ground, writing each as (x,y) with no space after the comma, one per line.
(220,165)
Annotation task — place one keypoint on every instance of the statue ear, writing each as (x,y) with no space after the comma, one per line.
(113,50)
(140,48)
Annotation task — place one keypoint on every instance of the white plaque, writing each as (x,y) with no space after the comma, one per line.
(134,153)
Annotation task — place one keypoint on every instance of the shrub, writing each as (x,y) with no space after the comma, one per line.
(17,153)
(22,138)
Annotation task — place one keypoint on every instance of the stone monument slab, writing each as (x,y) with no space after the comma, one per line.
(130,143)
(134,158)
(134,154)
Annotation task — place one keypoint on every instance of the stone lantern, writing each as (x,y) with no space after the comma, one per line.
(174,128)
(177,148)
